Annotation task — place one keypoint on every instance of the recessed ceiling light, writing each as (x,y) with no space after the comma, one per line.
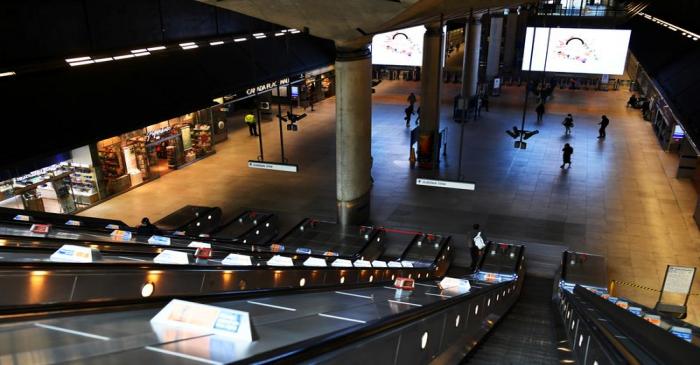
(155,48)
(106,59)
(76,59)
(216,43)
(80,63)
(186,44)
(123,57)
(138,50)
(8,73)
(240,39)
(190,46)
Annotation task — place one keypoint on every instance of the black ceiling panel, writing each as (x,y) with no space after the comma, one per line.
(123,24)
(188,19)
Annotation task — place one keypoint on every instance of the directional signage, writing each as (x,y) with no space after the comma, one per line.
(273,166)
(446,184)
(72,253)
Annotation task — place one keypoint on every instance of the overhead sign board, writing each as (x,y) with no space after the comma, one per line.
(273,166)
(446,184)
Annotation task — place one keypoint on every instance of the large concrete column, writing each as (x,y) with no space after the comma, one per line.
(353,133)
(509,41)
(494,53)
(431,76)
(472,44)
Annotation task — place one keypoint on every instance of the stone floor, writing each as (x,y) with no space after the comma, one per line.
(619,198)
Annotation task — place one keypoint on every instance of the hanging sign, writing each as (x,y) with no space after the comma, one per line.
(207,318)
(266,87)
(40,228)
(454,283)
(278,260)
(446,184)
(273,166)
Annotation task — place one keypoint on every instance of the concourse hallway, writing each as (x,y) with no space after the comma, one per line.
(619,199)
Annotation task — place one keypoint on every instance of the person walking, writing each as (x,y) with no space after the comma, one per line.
(252,126)
(409,111)
(566,156)
(411,99)
(568,123)
(477,246)
(540,111)
(603,124)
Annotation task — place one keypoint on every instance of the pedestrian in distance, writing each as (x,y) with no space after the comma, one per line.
(478,244)
(568,123)
(409,111)
(540,111)
(411,99)
(485,101)
(252,126)
(603,124)
(567,151)
(632,101)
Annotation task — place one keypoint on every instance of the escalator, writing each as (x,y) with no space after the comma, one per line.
(527,333)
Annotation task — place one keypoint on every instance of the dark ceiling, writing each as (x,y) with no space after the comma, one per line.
(56,108)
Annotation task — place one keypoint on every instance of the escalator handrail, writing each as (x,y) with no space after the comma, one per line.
(308,349)
(656,342)
(9,213)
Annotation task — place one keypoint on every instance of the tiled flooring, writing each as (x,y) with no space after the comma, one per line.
(619,199)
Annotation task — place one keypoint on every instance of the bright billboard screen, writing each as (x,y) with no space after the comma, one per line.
(402,47)
(591,51)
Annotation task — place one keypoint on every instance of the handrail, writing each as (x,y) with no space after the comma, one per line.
(308,349)
(613,346)
(657,343)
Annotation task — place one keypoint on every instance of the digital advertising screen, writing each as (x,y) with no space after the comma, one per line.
(576,50)
(400,48)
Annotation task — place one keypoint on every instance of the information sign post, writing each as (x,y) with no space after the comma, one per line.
(675,291)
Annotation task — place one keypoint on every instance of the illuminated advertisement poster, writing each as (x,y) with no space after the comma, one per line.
(577,50)
(401,48)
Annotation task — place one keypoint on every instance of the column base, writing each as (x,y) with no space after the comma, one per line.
(354,212)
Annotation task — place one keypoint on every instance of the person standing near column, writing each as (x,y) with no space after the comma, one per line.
(250,121)
(603,124)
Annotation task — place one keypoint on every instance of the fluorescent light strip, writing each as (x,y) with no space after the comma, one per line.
(122,57)
(294,31)
(190,46)
(8,73)
(216,43)
(156,48)
(240,39)
(186,44)
(258,34)
(73,64)
(138,50)
(142,54)
(672,27)
(260,37)
(76,59)
(278,34)
(106,59)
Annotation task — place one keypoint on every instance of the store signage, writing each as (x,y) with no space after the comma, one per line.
(278,260)
(377,263)
(172,257)
(237,260)
(394,264)
(678,279)
(342,263)
(273,166)
(112,226)
(266,87)
(197,244)
(454,283)
(206,318)
(159,240)
(407,264)
(73,223)
(315,262)
(118,234)
(446,184)
(362,263)
(40,228)
(72,253)
(21,217)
